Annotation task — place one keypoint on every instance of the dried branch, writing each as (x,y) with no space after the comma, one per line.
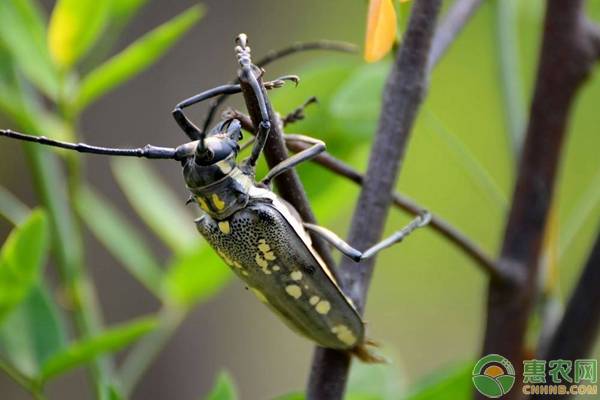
(402,97)
(565,44)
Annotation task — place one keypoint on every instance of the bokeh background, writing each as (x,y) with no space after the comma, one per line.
(427,300)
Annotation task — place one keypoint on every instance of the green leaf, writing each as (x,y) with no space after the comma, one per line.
(377,382)
(446,385)
(21,259)
(291,396)
(124,9)
(120,238)
(85,350)
(115,394)
(11,208)
(23,33)
(196,276)
(471,165)
(366,83)
(74,27)
(224,388)
(135,58)
(162,211)
(33,331)
(587,203)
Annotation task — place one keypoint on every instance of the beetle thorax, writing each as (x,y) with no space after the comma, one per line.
(222,197)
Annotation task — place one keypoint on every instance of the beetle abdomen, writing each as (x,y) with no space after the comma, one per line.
(262,248)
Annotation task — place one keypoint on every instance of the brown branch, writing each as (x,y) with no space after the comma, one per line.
(288,184)
(452,24)
(402,97)
(565,61)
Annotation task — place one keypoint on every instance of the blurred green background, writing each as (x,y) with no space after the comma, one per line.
(427,300)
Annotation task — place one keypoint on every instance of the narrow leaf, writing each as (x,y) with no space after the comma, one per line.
(446,385)
(158,206)
(586,206)
(33,331)
(135,58)
(120,238)
(74,27)
(196,276)
(381,29)
(224,388)
(81,352)
(23,32)
(21,259)
(124,9)
(471,165)
(11,208)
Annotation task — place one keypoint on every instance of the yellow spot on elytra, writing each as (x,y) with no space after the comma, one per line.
(261,261)
(224,227)
(259,295)
(270,256)
(225,258)
(237,265)
(276,268)
(313,300)
(323,307)
(245,273)
(294,290)
(263,246)
(219,204)
(296,275)
(344,334)
(202,203)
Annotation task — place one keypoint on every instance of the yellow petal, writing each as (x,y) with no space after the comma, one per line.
(549,256)
(381,29)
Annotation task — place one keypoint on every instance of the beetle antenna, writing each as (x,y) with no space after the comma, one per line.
(147,151)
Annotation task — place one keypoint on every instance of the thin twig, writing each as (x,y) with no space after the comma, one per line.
(453,23)
(470,248)
(325,159)
(402,96)
(566,44)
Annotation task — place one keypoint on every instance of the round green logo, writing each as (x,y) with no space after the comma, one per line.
(493,376)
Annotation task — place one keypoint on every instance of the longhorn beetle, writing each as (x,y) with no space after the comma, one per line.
(258,234)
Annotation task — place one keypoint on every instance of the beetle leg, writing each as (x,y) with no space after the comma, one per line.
(188,127)
(307,154)
(357,255)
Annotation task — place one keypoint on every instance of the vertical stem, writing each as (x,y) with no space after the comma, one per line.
(402,96)
(565,43)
